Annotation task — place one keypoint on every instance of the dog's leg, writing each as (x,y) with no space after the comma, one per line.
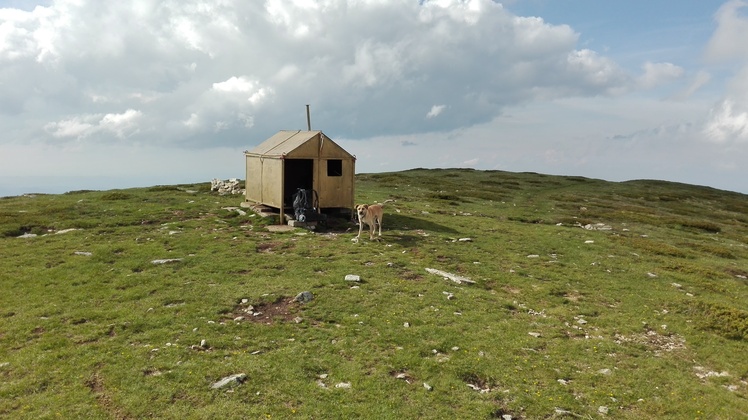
(379,219)
(360,228)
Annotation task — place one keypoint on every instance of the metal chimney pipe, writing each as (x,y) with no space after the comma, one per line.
(308,119)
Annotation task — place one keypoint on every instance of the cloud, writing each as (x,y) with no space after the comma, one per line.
(435,111)
(731,26)
(700,79)
(726,123)
(79,127)
(243,69)
(728,119)
(656,74)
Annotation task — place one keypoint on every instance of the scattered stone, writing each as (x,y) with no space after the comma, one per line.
(704,373)
(236,209)
(64,231)
(230,186)
(304,297)
(534,334)
(533,256)
(602,409)
(203,343)
(562,381)
(4,364)
(166,261)
(589,242)
(455,278)
(343,385)
(406,325)
(83,253)
(352,277)
(28,235)
(652,275)
(236,379)
(479,389)
(465,240)
(449,295)
(596,226)
(604,371)
(676,285)
(298,320)
(428,387)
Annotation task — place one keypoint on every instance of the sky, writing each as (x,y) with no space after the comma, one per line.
(105,95)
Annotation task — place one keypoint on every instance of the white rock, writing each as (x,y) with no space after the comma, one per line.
(233,379)
(343,385)
(428,387)
(166,261)
(352,277)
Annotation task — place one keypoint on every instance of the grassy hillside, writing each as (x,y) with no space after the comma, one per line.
(591,300)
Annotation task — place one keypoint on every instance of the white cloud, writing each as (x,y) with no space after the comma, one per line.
(726,42)
(435,111)
(728,119)
(235,84)
(352,60)
(82,126)
(76,127)
(726,123)
(700,79)
(658,73)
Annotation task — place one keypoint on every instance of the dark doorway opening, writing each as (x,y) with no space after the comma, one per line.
(297,173)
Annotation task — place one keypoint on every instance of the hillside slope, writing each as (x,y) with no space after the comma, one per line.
(590,298)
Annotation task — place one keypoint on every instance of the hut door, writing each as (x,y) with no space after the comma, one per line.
(297,173)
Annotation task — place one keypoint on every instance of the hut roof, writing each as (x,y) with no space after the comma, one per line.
(285,142)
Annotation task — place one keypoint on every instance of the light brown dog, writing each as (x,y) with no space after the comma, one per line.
(372,216)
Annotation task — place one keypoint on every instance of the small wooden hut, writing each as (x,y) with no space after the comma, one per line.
(293,159)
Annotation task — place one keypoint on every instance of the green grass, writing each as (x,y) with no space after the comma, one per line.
(644,315)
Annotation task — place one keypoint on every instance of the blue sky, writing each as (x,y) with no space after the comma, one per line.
(633,31)
(109,95)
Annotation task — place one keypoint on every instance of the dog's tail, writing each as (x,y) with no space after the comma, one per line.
(386,201)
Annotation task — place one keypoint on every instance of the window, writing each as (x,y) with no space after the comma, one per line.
(334,167)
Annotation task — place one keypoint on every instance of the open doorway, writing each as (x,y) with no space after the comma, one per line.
(297,173)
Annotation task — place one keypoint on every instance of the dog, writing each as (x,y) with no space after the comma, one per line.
(370,214)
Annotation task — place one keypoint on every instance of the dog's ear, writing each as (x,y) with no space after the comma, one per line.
(366,206)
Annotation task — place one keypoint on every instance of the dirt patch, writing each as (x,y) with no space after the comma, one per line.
(266,248)
(282,309)
(96,384)
(658,343)
(280,228)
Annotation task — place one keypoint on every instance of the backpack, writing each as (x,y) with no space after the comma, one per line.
(305,204)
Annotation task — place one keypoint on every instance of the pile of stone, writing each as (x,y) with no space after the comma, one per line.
(230,186)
